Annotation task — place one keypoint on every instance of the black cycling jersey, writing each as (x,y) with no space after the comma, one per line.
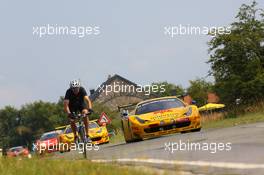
(76,102)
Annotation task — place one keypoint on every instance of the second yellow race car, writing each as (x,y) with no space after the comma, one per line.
(159,116)
(98,134)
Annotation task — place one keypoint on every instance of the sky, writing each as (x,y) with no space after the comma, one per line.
(131,43)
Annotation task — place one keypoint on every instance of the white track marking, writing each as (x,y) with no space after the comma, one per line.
(193,163)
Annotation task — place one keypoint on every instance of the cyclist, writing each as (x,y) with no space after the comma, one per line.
(76,100)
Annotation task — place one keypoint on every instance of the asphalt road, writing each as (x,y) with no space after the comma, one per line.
(234,150)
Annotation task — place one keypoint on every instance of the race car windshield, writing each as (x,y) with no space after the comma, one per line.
(16,149)
(93,125)
(68,130)
(158,105)
(48,136)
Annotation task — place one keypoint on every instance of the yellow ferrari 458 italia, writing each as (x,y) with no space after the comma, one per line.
(159,116)
(98,134)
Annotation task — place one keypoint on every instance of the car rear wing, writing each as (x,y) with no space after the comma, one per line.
(61,127)
(124,109)
(127,107)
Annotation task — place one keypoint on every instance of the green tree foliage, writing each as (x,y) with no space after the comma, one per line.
(41,116)
(21,127)
(237,59)
(169,89)
(199,90)
(8,124)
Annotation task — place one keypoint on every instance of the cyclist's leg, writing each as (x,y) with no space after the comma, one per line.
(86,121)
(74,128)
(72,123)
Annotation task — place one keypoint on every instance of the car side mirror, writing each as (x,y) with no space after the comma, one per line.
(124,113)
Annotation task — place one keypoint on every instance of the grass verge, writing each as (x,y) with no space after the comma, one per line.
(14,166)
(229,122)
(118,138)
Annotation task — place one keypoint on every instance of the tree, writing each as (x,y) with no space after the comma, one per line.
(237,59)
(199,90)
(8,125)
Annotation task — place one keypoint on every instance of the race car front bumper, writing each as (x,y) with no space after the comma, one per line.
(160,128)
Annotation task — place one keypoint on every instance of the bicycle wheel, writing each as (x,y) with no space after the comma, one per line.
(83,140)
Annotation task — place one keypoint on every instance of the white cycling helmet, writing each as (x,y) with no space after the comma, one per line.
(75,84)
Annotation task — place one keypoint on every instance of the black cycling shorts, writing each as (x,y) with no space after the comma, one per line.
(78,108)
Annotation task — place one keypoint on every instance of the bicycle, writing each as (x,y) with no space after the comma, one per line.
(82,139)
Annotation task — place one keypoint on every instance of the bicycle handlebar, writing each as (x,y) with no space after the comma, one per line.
(79,115)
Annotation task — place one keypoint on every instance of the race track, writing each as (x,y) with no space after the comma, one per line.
(243,155)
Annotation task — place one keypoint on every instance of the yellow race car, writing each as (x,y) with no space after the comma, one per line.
(159,116)
(98,134)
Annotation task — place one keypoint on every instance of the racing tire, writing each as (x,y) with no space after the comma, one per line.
(133,139)
(122,125)
(196,130)
(184,132)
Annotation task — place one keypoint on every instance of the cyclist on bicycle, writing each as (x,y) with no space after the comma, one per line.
(76,100)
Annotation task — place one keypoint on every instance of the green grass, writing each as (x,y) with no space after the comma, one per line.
(118,138)
(229,122)
(10,166)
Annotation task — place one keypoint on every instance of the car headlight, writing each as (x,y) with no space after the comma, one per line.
(140,120)
(189,112)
